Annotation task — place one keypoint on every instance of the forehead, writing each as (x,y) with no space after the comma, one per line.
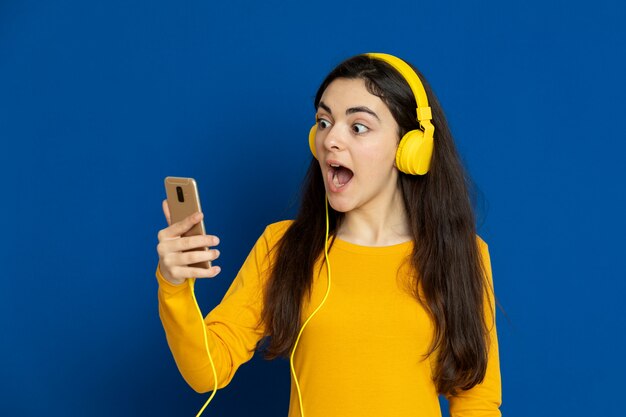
(344,93)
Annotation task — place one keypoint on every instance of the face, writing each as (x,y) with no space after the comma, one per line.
(356,143)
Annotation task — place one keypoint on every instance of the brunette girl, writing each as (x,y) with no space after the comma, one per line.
(403,298)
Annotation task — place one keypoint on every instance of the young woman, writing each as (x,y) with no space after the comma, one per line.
(402,297)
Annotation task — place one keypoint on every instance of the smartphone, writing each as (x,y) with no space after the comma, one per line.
(183,200)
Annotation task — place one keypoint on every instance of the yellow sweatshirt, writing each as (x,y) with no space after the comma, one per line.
(360,355)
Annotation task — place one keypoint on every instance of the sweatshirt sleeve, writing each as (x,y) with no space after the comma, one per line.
(233,327)
(484,399)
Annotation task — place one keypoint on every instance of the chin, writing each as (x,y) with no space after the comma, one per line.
(340,206)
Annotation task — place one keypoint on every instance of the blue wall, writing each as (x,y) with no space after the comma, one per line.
(99,101)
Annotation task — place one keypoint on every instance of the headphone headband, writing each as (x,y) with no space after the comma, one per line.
(423,113)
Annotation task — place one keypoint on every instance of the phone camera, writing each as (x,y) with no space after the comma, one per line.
(181,196)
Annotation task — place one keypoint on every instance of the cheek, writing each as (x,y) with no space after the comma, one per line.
(383,156)
(378,162)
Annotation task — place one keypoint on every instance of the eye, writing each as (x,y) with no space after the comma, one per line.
(359,128)
(322,123)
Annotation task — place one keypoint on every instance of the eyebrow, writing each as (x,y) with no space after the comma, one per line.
(351,110)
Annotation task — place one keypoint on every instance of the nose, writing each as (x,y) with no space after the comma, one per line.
(333,138)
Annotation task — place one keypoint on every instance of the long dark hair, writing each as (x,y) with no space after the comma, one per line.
(447,261)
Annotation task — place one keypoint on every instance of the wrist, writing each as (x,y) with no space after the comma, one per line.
(168,280)
(173,281)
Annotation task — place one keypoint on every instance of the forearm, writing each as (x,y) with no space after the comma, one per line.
(183,327)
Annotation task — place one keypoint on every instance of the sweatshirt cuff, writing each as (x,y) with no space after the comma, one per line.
(166,286)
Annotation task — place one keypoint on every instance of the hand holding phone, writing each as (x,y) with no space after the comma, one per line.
(184,248)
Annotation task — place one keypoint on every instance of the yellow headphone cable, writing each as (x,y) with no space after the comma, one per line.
(293,371)
(206,345)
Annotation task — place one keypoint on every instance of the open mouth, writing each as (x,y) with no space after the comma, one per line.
(339,175)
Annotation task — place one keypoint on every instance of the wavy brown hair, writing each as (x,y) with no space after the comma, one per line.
(447,259)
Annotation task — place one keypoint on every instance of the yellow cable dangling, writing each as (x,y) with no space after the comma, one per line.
(293,371)
(206,342)
(206,345)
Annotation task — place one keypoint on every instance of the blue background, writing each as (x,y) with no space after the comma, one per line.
(99,101)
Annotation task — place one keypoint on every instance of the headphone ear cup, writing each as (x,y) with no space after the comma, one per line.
(312,134)
(414,153)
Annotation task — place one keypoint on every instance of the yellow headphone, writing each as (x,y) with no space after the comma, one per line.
(415,149)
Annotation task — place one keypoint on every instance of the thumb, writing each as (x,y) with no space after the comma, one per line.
(166,211)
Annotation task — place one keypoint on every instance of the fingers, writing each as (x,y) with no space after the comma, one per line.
(179,256)
(177,275)
(196,256)
(171,260)
(177,229)
(166,211)
(198,272)
(195,242)
(176,266)
(166,246)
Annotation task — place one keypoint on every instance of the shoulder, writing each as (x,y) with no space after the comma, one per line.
(275,231)
(485,257)
(483,251)
(272,234)
(263,249)
(482,245)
